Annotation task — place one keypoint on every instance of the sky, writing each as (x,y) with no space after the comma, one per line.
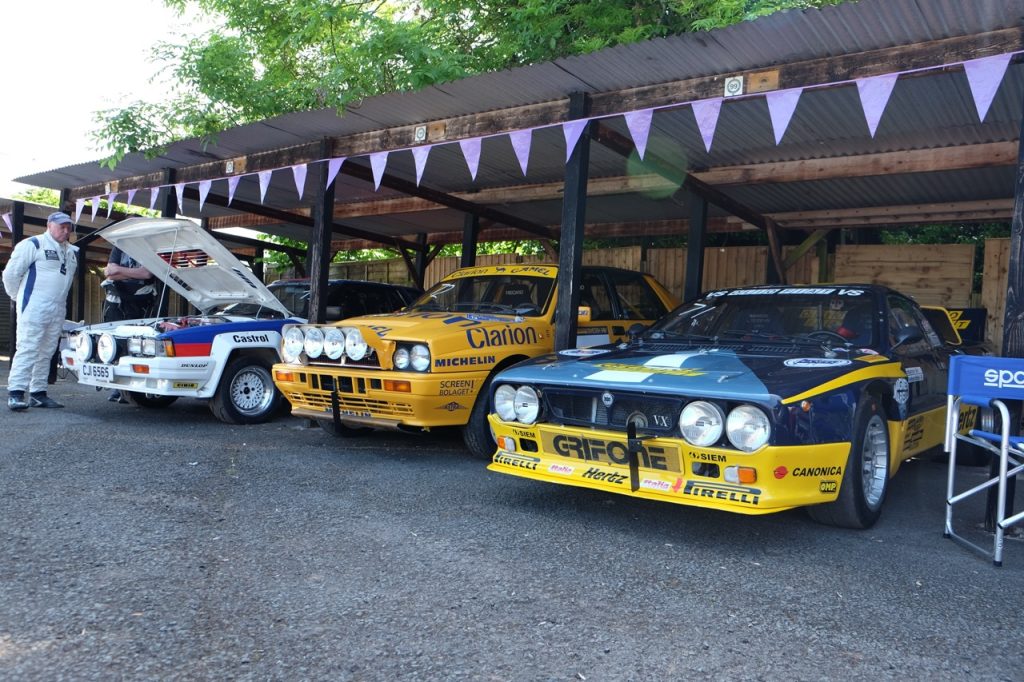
(63,60)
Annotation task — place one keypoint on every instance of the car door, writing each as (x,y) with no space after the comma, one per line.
(923,360)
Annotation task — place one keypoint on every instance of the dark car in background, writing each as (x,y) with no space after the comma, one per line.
(345,297)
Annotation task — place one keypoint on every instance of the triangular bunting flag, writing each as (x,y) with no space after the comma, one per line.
(874,95)
(984,76)
(179,191)
(333,166)
(299,174)
(110,203)
(706,112)
(572,131)
(639,124)
(79,205)
(7,222)
(378,162)
(419,157)
(204,189)
(264,177)
(781,105)
(154,192)
(521,140)
(232,186)
(131,196)
(95,206)
(471,150)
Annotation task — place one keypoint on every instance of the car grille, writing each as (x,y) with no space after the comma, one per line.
(321,402)
(371,361)
(651,414)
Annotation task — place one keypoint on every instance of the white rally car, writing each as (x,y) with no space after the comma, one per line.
(225,352)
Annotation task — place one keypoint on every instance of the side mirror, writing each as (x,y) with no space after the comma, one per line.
(907,335)
(583,314)
(635,330)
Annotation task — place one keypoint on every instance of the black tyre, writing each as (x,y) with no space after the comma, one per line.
(148,400)
(866,475)
(343,431)
(476,434)
(246,393)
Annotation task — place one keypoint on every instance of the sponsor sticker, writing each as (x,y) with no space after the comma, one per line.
(828,487)
(816,362)
(582,352)
(914,374)
(517,460)
(901,391)
(563,469)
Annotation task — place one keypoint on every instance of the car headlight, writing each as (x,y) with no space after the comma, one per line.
(701,423)
(106,348)
(527,405)
(419,356)
(401,359)
(149,347)
(355,345)
(314,343)
(334,343)
(291,349)
(748,428)
(83,347)
(135,345)
(505,402)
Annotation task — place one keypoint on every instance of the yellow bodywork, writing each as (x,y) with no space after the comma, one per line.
(672,470)
(465,348)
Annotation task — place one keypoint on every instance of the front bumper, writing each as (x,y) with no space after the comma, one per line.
(187,377)
(671,470)
(370,398)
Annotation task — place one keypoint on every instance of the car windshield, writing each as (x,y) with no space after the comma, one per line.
(294,296)
(782,316)
(502,294)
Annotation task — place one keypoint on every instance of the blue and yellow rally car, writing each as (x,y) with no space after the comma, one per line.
(751,400)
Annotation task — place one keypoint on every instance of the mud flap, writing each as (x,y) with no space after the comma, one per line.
(335,411)
(635,446)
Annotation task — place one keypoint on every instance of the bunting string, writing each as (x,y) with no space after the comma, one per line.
(984,76)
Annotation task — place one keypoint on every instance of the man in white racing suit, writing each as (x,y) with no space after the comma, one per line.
(38,278)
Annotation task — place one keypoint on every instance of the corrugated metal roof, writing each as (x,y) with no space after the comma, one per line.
(933,110)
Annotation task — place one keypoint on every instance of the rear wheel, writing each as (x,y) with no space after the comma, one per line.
(246,394)
(866,475)
(148,400)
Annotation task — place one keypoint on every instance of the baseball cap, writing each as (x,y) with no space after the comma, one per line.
(59,217)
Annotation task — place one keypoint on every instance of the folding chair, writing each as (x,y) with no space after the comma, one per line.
(985,382)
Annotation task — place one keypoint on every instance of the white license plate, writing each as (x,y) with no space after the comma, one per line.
(97,371)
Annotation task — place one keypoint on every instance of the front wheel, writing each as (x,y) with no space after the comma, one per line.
(866,475)
(476,434)
(148,400)
(246,393)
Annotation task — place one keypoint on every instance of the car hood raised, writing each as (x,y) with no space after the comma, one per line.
(716,373)
(190,261)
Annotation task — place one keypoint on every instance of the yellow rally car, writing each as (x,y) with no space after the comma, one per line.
(748,400)
(431,363)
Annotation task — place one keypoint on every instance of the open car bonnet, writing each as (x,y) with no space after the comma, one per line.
(190,261)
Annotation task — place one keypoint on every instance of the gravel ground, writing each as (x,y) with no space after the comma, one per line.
(144,544)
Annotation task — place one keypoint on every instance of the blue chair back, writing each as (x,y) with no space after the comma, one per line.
(980,379)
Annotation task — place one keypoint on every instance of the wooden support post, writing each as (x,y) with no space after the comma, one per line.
(694,282)
(168,209)
(470,234)
(570,245)
(421,259)
(319,257)
(775,270)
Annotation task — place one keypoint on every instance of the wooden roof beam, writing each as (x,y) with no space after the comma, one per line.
(831,69)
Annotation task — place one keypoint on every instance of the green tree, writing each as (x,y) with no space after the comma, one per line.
(270,57)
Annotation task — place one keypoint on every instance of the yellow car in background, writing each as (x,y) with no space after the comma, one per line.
(431,363)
